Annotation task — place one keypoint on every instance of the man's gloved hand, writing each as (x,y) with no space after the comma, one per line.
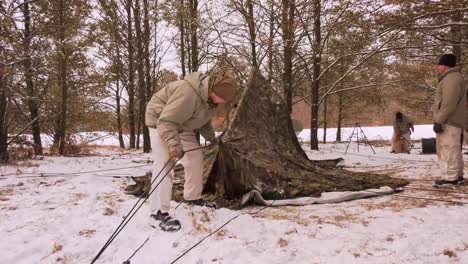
(438,128)
(176,152)
(214,141)
(412,128)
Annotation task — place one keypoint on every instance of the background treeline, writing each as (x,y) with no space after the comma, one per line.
(70,66)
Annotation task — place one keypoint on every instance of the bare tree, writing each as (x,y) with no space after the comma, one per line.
(3,112)
(316,65)
(62,73)
(141,41)
(148,90)
(131,77)
(32,100)
(288,8)
(182,22)
(111,25)
(193,27)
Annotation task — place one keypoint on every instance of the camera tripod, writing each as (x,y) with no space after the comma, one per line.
(356,130)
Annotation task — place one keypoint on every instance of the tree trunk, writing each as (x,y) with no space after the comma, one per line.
(148,92)
(316,63)
(63,61)
(288,7)
(457,35)
(188,48)
(3,116)
(131,77)
(251,26)
(141,64)
(182,36)
(325,120)
(270,42)
(193,34)
(32,102)
(340,117)
(118,76)
(341,95)
(193,43)
(56,136)
(138,132)
(119,114)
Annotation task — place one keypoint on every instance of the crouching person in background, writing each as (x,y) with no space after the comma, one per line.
(173,115)
(403,126)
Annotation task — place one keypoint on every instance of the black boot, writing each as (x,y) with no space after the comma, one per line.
(439,183)
(165,222)
(201,202)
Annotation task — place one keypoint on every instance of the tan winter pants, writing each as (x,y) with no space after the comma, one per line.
(403,145)
(465,137)
(449,152)
(192,161)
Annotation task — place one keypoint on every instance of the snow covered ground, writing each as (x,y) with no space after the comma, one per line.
(67,219)
(372,133)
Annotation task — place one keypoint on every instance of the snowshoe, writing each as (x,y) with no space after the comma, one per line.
(165,222)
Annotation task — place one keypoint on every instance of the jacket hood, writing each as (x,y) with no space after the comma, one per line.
(199,83)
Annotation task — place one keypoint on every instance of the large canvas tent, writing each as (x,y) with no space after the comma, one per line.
(260,151)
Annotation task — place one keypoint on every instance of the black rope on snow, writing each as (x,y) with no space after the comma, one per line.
(132,211)
(178,205)
(219,228)
(138,249)
(430,199)
(122,225)
(435,190)
(200,241)
(422,198)
(63,174)
(58,174)
(81,175)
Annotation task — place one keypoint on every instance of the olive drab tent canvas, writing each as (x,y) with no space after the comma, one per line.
(259,151)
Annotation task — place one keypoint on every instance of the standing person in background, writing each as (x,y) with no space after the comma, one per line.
(403,126)
(174,114)
(450,118)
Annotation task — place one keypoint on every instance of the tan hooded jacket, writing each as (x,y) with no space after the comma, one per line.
(181,109)
(404,126)
(450,98)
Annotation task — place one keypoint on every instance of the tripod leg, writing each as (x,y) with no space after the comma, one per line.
(365,138)
(349,139)
(357,137)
